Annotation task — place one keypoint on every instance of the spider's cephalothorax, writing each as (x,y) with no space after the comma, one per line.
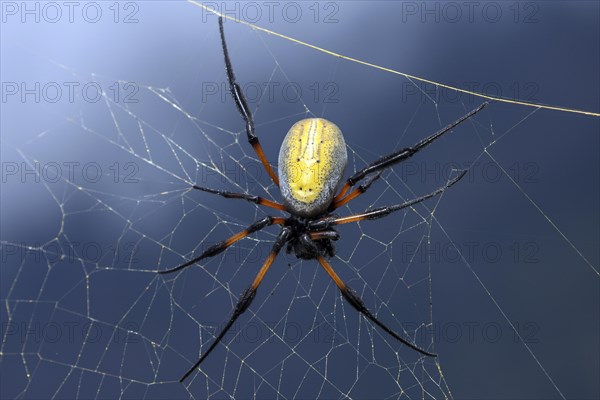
(311,166)
(308,244)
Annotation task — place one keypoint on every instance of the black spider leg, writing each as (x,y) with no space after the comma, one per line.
(356,192)
(247,296)
(394,158)
(243,109)
(222,245)
(355,301)
(327,222)
(248,197)
(331,235)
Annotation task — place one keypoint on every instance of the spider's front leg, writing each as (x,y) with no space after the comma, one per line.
(246,298)
(355,301)
(223,245)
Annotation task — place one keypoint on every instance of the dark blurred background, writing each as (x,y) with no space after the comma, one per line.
(110,111)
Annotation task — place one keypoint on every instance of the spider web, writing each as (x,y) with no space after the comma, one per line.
(499,275)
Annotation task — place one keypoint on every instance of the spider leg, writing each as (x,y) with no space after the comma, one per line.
(254,199)
(221,246)
(331,235)
(355,301)
(246,298)
(356,192)
(244,109)
(380,212)
(400,155)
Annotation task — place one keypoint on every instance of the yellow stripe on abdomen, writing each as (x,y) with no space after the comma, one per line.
(311,162)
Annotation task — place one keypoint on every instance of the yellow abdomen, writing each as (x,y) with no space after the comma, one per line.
(312,159)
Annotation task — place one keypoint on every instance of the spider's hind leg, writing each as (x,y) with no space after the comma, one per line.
(243,108)
(395,158)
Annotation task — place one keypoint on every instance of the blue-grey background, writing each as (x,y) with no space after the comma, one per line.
(84,316)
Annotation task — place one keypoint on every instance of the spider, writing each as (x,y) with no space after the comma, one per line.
(312,159)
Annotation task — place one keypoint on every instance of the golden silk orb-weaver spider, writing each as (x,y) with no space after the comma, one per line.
(312,160)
